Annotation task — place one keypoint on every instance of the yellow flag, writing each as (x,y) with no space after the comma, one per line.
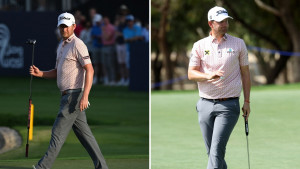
(31,123)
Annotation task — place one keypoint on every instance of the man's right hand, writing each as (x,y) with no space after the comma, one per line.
(35,71)
(215,75)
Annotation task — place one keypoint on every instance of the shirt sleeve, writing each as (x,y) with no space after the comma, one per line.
(125,34)
(56,64)
(82,54)
(243,58)
(195,56)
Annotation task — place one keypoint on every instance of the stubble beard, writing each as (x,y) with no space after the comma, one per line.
(222,31)
(64,35)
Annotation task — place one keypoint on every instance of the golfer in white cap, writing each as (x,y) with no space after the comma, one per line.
(74,73)
(219,64)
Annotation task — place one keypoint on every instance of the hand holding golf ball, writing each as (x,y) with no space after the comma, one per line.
(84,104)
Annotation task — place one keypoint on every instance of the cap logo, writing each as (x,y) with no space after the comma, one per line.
(220,12)
(62,17)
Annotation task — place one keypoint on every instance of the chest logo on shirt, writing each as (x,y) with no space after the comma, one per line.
(230,50)
(206,52)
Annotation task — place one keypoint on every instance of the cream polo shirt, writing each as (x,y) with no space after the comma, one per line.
(228,56)
(72,55)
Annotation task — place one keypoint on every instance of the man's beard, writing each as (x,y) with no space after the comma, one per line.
(223,30)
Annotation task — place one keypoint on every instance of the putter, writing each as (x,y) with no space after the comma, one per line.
(247,133)
(30,42)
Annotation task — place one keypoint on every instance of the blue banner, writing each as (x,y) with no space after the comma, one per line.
(15,29)
(139,66)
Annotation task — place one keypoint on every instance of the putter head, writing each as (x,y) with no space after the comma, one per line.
(31,41)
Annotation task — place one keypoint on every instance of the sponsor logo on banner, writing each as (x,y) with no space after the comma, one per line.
(10,56)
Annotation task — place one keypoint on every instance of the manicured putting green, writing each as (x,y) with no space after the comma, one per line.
(274,140)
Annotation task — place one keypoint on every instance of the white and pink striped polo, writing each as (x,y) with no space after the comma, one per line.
(72,55)
(227,56)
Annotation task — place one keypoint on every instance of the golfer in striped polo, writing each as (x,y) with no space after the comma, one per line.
(219,64)
(74,73)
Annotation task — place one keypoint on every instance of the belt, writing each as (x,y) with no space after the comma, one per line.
(221,99)
(70,91)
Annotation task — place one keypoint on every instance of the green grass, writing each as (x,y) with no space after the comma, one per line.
(80,163)
(119,120)
(176,139)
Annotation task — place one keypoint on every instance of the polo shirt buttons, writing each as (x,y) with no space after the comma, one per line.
(219,53)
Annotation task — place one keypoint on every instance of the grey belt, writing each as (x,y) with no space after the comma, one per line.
(70,91)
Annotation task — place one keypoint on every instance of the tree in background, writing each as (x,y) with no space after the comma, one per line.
(271,24)
(177,24)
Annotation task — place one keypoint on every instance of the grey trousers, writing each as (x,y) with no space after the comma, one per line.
(217,120)
(70,117)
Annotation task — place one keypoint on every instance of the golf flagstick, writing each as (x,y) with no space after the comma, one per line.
(247,133)
(31,42)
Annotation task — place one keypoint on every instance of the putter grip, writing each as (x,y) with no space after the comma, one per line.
(27,146)
(246,128)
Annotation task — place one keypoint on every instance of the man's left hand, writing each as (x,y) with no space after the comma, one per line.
(246,110)
(84,103)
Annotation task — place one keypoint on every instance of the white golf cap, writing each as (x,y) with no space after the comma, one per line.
(97,18)
(217,14)
(65,18)
(124,7)
(130,18)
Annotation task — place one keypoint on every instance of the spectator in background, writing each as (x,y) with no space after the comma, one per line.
(131,33)
(96,34)
(93,13)
(79,18)
(124,11)
(120,24)
(108,50)
(137,22)
(145,32)
(120,20)
(85,35)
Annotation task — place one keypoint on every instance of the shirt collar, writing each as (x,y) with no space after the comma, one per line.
(225,37)
(70,38)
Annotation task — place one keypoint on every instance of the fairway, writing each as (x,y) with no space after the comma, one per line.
(274,140)
(78,163)
(119,120)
